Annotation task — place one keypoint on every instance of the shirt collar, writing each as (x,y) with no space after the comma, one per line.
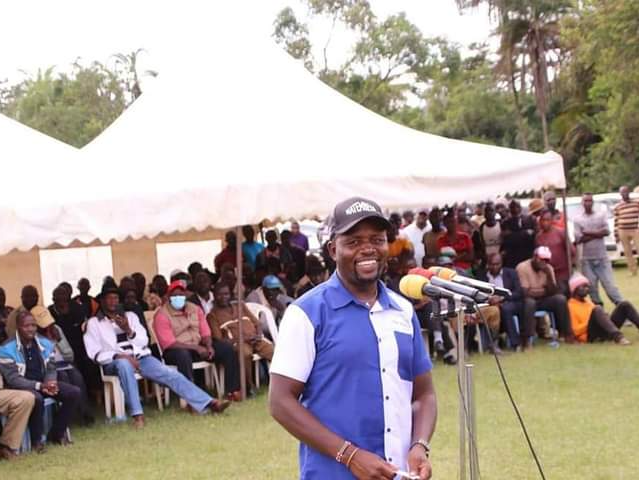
(205,300)
(339,296)
(36,343)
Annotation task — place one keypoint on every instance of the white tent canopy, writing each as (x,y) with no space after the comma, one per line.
(225,141)
(39,171)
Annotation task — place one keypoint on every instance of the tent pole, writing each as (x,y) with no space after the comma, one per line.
(240,309)
(568,244)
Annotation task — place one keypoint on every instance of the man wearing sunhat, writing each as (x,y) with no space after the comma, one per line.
(590,322)
(271,295)
(63,358)
(350,377)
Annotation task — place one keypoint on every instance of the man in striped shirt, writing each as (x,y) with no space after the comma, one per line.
(627,226)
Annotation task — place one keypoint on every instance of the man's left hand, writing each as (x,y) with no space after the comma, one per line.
(418,463)
(210,352)
(50,388)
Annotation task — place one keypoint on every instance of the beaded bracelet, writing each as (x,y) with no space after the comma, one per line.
(342,450)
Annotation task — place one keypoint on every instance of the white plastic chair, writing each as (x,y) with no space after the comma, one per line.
(267,321)
(114,395)
(266,318)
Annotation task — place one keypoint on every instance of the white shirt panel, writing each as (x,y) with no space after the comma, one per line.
(397,392)
(295,349)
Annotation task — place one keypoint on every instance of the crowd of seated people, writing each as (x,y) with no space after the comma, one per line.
(158,331)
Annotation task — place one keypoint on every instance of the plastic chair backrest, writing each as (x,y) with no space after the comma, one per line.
(149,316)
(265,316)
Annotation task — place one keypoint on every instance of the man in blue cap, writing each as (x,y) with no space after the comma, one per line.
(350,377)
(271,295)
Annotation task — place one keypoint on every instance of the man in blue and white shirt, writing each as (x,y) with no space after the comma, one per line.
(351,377)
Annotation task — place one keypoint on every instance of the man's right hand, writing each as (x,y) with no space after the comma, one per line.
(368,466)
(123,322)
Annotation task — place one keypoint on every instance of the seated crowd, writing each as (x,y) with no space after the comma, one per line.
(158,332)
(161,331)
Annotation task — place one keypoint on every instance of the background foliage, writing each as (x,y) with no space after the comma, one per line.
(564,76)
(561,74)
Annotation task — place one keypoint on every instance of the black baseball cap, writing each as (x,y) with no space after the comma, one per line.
(351,211)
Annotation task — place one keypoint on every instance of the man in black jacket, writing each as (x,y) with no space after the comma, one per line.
(506,277)
(518,236)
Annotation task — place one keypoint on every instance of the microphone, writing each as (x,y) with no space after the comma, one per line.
(417,287)
(431,275)
(485,287)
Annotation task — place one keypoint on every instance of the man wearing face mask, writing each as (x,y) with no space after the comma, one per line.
(185,337)
(116,340)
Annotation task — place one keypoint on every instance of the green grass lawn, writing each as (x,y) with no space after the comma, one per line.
(579,403)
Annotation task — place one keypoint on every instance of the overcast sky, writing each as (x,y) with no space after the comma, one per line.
(41,33)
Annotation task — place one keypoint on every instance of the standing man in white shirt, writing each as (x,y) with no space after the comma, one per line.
(415,233)
(591,229)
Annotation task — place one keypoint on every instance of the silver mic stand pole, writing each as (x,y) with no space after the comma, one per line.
(472,423)
(468,455)
(461,376)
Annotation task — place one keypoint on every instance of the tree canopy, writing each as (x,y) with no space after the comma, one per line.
(74,106)
(564,76)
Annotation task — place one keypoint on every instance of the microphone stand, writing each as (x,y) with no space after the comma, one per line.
(468,455)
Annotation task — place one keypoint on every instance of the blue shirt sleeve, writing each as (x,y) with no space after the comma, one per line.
(421,359)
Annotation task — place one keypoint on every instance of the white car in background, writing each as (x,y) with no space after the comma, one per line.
(615,248)
(310,228)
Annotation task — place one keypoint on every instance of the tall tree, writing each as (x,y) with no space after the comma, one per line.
(465,101)
(126,68)
(528,29)
(604,43)
(385,63)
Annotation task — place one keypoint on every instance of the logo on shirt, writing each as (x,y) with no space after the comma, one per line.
(360,206)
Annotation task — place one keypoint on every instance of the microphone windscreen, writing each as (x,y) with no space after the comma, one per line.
(412,285)
(446,273)
(422,272)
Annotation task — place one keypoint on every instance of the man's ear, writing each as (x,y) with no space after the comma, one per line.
(332,249)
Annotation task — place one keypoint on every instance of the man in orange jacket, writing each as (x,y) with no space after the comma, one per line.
(590,323)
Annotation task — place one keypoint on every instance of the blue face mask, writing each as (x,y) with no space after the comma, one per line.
(178,301)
